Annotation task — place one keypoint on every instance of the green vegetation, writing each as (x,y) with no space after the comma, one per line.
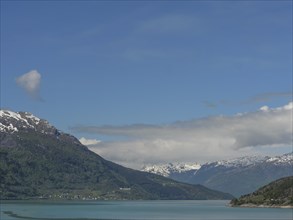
(37,165)
(277,193)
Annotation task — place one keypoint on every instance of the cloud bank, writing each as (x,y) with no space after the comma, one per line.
(31,82)
(198,140)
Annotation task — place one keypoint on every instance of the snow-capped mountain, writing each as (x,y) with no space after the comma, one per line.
(254,160)
(179,168)
(237,176)
(239,162)
(14,122)
(284,159)
(170,168)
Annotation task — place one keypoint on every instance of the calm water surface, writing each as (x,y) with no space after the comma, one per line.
(137,210)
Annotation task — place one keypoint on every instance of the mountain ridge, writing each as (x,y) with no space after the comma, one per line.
(167,169)
(236,176)
(235,162)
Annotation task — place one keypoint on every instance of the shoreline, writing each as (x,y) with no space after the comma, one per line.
(250,205)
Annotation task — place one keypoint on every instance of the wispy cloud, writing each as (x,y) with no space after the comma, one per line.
(209,104)
(200,140)
(31,82)
(169,23)
(259,98)
(264,97)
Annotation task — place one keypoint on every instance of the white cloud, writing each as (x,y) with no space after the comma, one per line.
(88,142)
(264,108)
(30,82)
(197,140)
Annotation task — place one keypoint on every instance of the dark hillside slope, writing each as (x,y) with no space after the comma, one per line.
(278,193)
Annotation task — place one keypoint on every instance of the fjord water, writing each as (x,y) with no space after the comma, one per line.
(136,210)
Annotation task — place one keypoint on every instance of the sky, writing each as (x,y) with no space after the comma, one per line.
(147,82)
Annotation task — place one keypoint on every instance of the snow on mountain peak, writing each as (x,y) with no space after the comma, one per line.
(167,169)
(237,163)
(14,121)
(241,161)
(286,158)
(6,113)
(32,117)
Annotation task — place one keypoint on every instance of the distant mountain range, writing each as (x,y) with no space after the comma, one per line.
(237,176)
(278,193)
(39,161)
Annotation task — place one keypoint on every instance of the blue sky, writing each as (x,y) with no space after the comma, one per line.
(122,63)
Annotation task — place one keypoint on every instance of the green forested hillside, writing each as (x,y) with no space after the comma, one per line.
(277,193)
(38,165)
